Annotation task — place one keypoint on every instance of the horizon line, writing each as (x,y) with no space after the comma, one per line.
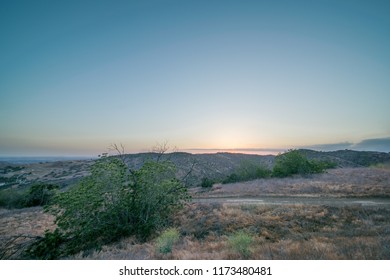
(272,151)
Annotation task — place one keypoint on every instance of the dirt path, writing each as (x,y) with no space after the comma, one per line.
(286,200)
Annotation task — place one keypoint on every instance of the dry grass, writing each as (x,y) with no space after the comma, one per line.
(281,232)
(342,182)
(20,227)
(277,231)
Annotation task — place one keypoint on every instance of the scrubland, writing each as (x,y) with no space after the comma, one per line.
(225,231)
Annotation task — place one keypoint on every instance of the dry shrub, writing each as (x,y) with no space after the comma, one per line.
(210,248)
(126,249)
(278,232)
(21,227)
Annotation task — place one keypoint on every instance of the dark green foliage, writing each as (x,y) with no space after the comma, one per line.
(40,194)
(207,182)
(247,171)
(12,198)
(114,202)
(36,195)
(47,248)
(10,168)
(294,162)
(9,180)
(232,178)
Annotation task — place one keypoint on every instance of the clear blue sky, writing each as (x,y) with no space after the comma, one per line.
(76,76)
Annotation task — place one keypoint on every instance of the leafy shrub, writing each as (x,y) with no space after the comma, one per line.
(240,243)
(114,202)
(12,198)
(166,240)
(40,194)
(36,195)
(232,178)
(247,171)
(207,183)
(294,162)
(47,248)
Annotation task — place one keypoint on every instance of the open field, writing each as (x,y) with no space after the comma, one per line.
(219,229)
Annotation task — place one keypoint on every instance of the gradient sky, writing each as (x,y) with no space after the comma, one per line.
(77,76)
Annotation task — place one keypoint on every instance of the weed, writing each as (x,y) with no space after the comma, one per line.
(166,240)
(240,243)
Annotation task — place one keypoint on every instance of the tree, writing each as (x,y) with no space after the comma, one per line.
(114,201)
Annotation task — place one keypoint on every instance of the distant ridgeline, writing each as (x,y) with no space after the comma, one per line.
(193,167)
(28,160)
(350,158)
(218,165)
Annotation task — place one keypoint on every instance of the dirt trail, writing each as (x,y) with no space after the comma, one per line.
(288,200)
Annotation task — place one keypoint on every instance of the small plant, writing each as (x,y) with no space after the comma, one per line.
(240,243)
(166,240)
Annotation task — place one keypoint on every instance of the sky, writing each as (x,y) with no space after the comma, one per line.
(78,76)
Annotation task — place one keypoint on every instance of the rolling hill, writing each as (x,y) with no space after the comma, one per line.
(215,166)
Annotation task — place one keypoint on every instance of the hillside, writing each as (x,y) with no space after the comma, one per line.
(350,158)
(215,166)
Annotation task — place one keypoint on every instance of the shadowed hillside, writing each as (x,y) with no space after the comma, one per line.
(350,158)
(197,166)
(192,167)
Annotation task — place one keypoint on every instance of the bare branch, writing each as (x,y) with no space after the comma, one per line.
(13,246)
(160,149)
(184,179)
(120,150)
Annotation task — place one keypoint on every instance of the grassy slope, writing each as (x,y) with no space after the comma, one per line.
(277,232)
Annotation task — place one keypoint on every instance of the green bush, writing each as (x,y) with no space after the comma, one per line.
(232,178)
(247,171)
(166,240)
(207,183)
(36,195)
(40,194)
(47,248)
(240,243)
(12,198)
(294,162)
(114,202)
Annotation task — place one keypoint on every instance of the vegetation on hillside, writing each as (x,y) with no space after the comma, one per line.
(111,203)
(294,162)
(229,231)
(287,164)
(247,171)
(38,194)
